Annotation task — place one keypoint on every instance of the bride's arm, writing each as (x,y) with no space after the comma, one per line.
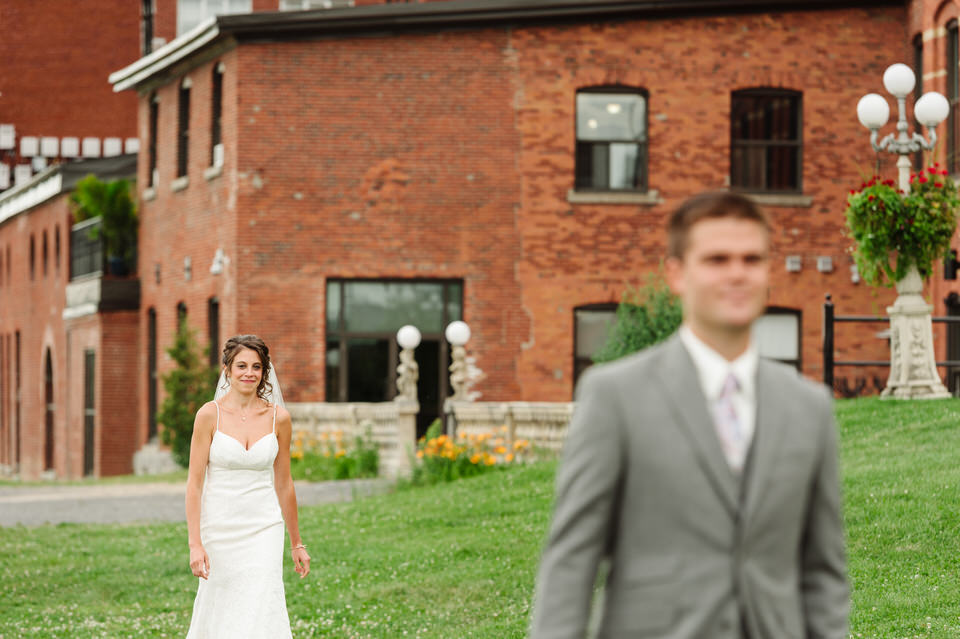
(203,427)
(287,495)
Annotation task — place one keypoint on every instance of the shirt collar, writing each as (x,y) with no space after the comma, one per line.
(713,368)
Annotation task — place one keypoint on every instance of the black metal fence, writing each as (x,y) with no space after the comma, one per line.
(842,384)
(86,254)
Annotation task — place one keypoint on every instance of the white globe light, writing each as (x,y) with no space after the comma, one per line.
(931,109)
(408,336)
(899,79)
(458,333)
(873,111)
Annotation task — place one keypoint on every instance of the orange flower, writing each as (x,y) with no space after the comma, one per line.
(509,457)
(500,450)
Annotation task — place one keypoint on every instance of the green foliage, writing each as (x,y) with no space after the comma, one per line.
(645,316)
(327,457)
(113,202)
(893,231)
(188,387)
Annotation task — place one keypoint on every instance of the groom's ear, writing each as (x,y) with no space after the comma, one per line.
(673,273)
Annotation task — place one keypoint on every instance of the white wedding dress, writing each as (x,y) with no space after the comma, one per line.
(241,528)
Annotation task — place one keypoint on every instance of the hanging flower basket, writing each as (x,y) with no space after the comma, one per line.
(894,231)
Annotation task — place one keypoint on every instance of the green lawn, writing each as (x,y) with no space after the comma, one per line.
(459,560)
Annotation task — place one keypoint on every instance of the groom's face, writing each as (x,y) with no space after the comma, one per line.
(723,276)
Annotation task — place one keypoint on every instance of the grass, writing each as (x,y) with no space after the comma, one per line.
(450,560)
(901,478)
(458,560)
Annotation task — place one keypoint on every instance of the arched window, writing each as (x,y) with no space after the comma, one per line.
(765,140)
(611,127)
(216,116)
(56,249)
(33,256)
(48,443)
(183,127)
(953,95)
(181,313)
(44,252)
(154,107)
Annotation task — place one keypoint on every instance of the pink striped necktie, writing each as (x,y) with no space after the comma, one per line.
(729,429)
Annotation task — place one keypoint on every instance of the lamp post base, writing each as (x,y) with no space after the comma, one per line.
(913,369)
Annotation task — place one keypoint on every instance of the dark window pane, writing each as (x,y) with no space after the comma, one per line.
(783,162)
(765,117)
(367,365)
(333,371)
(765,145)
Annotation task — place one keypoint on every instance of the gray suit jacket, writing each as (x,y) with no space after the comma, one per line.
(695,552)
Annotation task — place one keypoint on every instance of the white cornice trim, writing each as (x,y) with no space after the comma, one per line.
(41,188)
(164,57)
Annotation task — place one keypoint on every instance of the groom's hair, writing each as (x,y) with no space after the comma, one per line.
(257,345)
(710,205)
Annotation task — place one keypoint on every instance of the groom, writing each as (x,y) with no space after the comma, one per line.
(704,474)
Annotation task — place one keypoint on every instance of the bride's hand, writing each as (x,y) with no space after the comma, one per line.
(301,561)
(199,562)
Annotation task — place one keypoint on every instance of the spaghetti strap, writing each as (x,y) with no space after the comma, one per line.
(274,419)
(218,415)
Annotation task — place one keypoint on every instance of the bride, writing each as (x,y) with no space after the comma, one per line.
(239,494)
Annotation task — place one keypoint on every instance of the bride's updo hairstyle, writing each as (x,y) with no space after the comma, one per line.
(255,344)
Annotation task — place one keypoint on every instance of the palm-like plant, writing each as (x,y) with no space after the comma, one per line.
(113,203)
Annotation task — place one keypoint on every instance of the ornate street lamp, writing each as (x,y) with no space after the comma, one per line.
(408,372)
(458,334)
(913,370)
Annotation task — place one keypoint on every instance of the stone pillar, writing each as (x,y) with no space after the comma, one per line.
(406,438)
(913,369)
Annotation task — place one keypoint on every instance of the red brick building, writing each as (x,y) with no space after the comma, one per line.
(324,177)
(448,145)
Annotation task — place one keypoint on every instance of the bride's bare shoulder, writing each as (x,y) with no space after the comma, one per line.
(207,413)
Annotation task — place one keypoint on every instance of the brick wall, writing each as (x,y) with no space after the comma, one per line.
(578,254)
(452,158)
(34,306)
(45,89)
(191,223)
(117,438)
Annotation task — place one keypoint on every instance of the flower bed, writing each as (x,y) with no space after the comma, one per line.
(442,458)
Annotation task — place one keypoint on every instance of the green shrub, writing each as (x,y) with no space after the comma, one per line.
(645,316)
(188,387)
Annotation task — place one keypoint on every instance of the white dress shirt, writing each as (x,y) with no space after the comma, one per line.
(713,370)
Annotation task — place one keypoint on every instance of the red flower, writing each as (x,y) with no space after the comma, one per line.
(939,185)
(923,180)
(931,171)
(870,198)
(944,172)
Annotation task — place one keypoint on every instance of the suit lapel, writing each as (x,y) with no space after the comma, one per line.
(767,438)
(681,386)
